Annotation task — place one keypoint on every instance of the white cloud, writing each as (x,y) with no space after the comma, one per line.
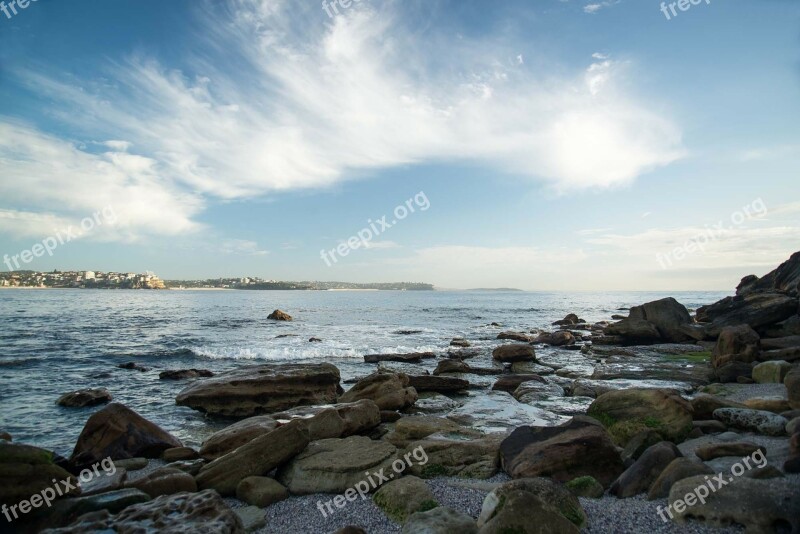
(381,245)
(594,8)
(276,102)
(242,247)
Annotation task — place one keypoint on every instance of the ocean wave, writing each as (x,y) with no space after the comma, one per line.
(294,353)
(17,362)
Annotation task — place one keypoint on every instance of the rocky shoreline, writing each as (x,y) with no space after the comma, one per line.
(611,426)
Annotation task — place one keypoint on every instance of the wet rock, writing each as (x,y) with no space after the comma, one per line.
(164,481)
(585,487)
(758,310)
(439,521)
(476,458)
(531,368)
(110,481)
(410,429)
(630,331)
(459,342)
(183,374)
(133,366)
(432,403)
(535,390)
(336,465)
(180,453)
(627,412)
(640,476)
(66,511)
(759,505)
(736,344)
(6,436)
(440,384)
(390,391)
(314,340)
(580,447)
(553,496)
(413,357)
(679,469)
(569,320)
(85,397)
(189,513)
(514,353)
(118,432)
(556,339)
(263,389)
(516,336)
(261,491)
(279,315)
(459,366)
(719,450)
(231,438)
(497,411)
(336,420)
(258,457)
(26,470)
(757,421)
(400,498)
(509,383)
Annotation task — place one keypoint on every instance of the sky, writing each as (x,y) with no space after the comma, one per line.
(534,144)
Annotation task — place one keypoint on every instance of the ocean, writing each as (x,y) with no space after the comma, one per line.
(56,341)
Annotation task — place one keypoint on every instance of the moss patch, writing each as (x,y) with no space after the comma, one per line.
(691,357)
(434,470)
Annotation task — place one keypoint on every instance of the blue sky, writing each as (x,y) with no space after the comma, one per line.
(560,144)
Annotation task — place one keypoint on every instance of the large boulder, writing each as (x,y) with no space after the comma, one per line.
(758,421)
(405,496)
(758,310)
(625,413)
(118,432)
(336,465)
(26,470)
(772,372)
(577,448)
(440,520)
(758,505)
(189,513)
(279,315)
(678,469)
(334,421)
(554,496)
(514,353)
(669,316)
(256,458)
(263,389)
(786,278)
(556,339)
(231,438)
(473,458)
(390,391)
(636,331)
(523,512)
(736,344)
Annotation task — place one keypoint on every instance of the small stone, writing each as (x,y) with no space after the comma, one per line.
(585,487)
(252,517)
(440,521)
(279,315)
(261,491)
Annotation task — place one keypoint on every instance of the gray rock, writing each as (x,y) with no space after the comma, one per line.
(439,521)
(405,496)
(754,420)
(85,397)
(640,476)
(252,518)
(261,491)
(678,469)
(772,372)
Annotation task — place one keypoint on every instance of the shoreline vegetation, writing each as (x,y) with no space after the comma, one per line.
(582,427)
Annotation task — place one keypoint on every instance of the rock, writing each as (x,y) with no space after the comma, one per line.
(525,513)
(785,278)
(84,397)
(314,340)
(203,512)
(459,342)
(640,476)
(118,432)
(772,372)
(192,467)
(413,357)
(232,437)
(759,505)
(554,496)
(792,383)
(351,529)
(6,436)
(262,389)
(792,464)
(516,336)
(440,384)
(182,374)
(26,470)
(252,517)
(111,481)
(660,320)
(638,444)
(258,457)
(734,372)
(758,310)
(627,412)
(132,464)
(180,453)
(514,353)
(65,511)
(164,481)
(451,366)
(529,368)
(405,496)
(532,391)
(678,469)
(791,354)
(335,465)
(757,421)
(432,403)
(768,404)
(556,339)
(133,366)
(509,383)
(789,327)
(569,320)
(719,450)
(390,391)
(764,473)
(793,426)
(736,344)
(786,342)
(585,487)
(476,458)
(497,411)
(631,331)
(578,448)
(439,521)
(261,491)
(710,427)
(279,315)
(409,429)
(336,420)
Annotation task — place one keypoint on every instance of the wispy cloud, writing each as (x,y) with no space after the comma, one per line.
(595,7)
(273,101)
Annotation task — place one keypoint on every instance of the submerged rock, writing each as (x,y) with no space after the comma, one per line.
(412,357)
(440,384)
(85,397)
(263,389)
(182,374)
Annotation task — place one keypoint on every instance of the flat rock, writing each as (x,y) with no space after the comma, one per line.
(230,438)
(390,391)
(754,420)
(509,383)
(164,481)
(514,353)
(475,458)
(413,357)
(440,384)
(263,389)
(718,450)
(85,397)
(498,411)
(183,374)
